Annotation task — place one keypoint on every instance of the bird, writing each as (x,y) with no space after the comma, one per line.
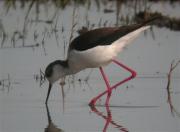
(96,48)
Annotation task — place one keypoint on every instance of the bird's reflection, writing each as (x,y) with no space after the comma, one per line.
(108,118)
(51,127)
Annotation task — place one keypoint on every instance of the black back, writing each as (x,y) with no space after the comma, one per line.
(103,36)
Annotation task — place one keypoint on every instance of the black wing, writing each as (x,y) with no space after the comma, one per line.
(92,38)
(103,36)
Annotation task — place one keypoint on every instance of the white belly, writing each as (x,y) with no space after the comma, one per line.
(95,57)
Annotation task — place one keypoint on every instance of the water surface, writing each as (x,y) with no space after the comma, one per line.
(137,106)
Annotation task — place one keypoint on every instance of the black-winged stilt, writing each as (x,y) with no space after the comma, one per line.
(95,48)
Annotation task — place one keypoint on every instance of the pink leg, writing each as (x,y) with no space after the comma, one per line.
(107,85)
(133,75)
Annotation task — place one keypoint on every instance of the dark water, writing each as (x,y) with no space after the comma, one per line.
(137,106)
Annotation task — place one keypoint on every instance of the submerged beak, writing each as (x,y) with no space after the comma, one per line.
(49,90)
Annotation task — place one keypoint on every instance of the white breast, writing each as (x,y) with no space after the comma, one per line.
(91,58)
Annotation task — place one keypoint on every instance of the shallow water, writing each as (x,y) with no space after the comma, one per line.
(140,107)
(137,106)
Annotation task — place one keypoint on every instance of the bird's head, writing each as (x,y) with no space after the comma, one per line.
(56,70)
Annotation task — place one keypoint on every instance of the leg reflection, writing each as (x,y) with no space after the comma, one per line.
(108,118)
(51,127)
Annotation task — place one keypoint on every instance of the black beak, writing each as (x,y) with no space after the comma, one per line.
(49,90)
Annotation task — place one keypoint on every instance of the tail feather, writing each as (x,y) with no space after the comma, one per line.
(125,40)
(129,33)
(148,21)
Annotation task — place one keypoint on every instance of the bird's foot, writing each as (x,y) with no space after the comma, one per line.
(92,103)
